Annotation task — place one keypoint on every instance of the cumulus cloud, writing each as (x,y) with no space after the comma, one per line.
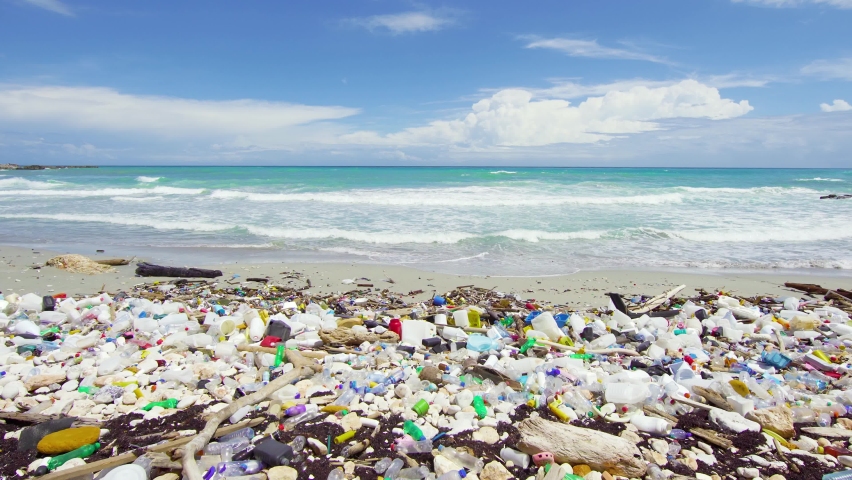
(839,69)
(54,6)
(105,109)
(407,22)
(798,3)
(588,48)
(514,117)
(838,106)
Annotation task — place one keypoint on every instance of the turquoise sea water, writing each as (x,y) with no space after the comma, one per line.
(497,221)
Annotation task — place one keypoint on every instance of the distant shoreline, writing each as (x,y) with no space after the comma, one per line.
(14,166)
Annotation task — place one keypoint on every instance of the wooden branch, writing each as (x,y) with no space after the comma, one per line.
(659,413)
(39,418)
(190,467)
(259,349)
(713,397)
(658,300)
(712,437)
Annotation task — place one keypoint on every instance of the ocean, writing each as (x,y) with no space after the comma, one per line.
(481,221)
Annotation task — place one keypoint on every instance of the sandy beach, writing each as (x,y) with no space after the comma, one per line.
(580,290)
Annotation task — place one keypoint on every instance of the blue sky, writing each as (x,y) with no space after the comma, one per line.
(621,83)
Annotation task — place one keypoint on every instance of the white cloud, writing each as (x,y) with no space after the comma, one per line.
(839,69)
(797,3)
(105,109)
(512,118)
(588,48)
(838,106)
(407,22)
(53,5)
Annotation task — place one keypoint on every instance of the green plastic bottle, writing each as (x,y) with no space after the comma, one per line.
(279,355)
(479,407)
(413,430)
(168,403)
(81,452)
(584,356)
(527,345)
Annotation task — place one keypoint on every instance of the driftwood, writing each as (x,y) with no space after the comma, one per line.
(39,418)
(345,336)
(713,397)
(149,270)
(829,432)
(658,300)
(815,289)
(576,445)
(300,370)
(711,436)
(115,262)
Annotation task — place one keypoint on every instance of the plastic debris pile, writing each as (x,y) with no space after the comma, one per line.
(471,384)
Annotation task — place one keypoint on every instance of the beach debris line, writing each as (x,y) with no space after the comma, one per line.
(79,264)
(209,380)
(145,269)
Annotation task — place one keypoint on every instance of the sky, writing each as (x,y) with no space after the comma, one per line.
(703,83)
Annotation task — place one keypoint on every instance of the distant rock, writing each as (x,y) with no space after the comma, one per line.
(14,166)
(835,196)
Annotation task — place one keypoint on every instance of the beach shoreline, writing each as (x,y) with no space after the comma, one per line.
(582,289)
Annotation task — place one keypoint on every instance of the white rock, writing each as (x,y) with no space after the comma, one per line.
(748,472)
(282,473)
(488,435)
(187,401)
(70,385)
(12,389)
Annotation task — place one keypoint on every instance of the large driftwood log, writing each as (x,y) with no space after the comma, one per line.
(576,445)
(148,270)
(345,336)
(302,368)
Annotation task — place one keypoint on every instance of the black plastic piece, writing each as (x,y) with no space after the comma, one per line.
(273,453)
(277,328)
(48,303)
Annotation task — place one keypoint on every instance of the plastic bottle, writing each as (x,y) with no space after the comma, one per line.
(394,468)
(479,407)
(299,409)
(238,469)
(382,465)
(413,430)
(168,403)
(236,444)
(336,474)
(518,458)
(465,460)
(81,452)
(413,473)
(407,445)
(844,475)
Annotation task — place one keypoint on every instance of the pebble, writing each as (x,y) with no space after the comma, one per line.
(488,435)
(495,471)
(282,473)
(748,472)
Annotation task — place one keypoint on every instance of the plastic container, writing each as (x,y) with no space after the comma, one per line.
(461,318)
(652,425)
(518,458)
(415,331)
(547,324)
(465,460)
(273,453)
